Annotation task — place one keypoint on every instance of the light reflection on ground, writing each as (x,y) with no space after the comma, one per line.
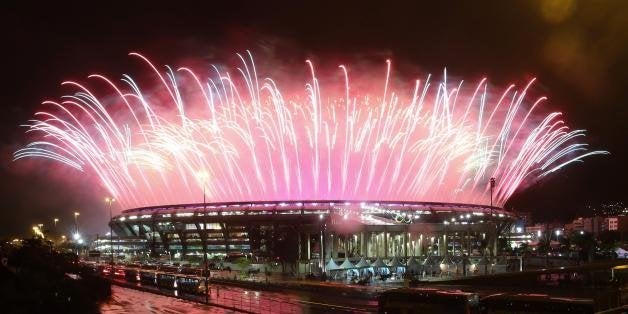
(125,300)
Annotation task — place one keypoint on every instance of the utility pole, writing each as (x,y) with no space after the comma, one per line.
(76,214)
(494,241)
(203,176)
(110,200)
(492,185)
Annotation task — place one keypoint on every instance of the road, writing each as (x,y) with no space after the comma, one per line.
(126,300)
(227,298)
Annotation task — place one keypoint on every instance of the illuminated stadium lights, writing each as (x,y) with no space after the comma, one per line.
(242,223)
(184,214)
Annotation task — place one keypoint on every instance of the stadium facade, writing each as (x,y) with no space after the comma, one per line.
(312,232)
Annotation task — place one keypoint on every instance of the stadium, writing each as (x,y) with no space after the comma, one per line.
(313,233)
(338,149)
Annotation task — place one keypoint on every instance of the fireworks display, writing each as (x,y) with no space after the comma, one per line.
(237,136)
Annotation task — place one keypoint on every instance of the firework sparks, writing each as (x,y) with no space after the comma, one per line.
(254,141)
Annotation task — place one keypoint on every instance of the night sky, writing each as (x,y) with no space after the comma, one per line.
(578,51)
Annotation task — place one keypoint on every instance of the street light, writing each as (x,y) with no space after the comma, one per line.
(76,214)
(41,230)
(492,186)
(203,176)
(557,232)
(110,201)
(55,222)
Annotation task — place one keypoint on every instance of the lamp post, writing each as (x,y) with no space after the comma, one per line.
(492,186)
(202,177)
(55,220)
(557,232)
(76,214)
(110,201)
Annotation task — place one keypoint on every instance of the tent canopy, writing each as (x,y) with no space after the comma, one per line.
(412,262)
(346,265)
(428,261)
(378,263)
(362,263)
(447,261)
(395,263)
(331,265)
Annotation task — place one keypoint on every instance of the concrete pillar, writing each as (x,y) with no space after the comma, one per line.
(442,245)
(372,245)
(406,240)
(300,248)
(322,254)
(375,245)
(308,253)
(494,239)
(333,245)
(385,244)
(363,245)
(326,240)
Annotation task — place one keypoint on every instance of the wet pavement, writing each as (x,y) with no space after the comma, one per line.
(230,299)
(126,300)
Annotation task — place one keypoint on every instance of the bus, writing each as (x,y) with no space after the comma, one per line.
(190,285)
(165,280)
(148,278)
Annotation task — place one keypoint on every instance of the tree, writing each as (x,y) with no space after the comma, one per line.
(543,246)
(286,250)
(585,243)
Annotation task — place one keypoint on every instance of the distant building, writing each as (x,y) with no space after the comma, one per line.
(544,230)
(611,223)
(535,230)
(622,223)
(593,225)
(123,248)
